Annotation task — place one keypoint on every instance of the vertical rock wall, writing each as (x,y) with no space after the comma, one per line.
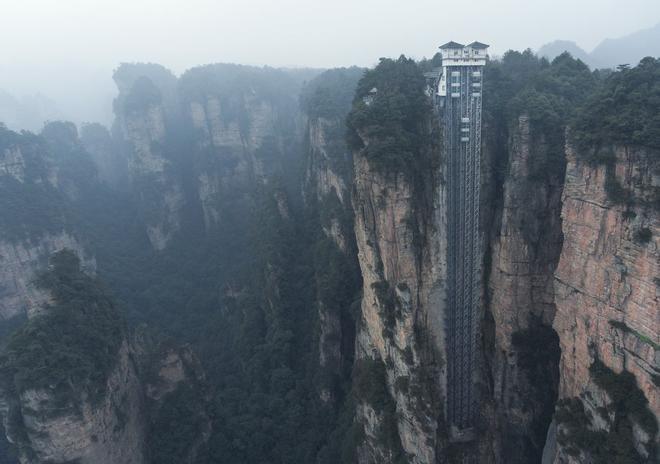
(607,293)
(399,227)
(525,243)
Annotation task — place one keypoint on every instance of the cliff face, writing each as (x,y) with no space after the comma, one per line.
(328,178)
(239,142)
(150,172)
(174,386)
(33,224)
(521,349)
(19,262)
(77,387)
(74,393)
(106,154)
(400,249)
(606,293)
(326,192)
(204,141)
(108,432)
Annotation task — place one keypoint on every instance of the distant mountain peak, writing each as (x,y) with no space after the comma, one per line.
(610,52)
(557,47)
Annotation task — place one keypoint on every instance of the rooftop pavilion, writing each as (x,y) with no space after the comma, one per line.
(456,54)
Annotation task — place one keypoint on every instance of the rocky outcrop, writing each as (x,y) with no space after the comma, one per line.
(606,294)
(33,223)
(110,161)
(241,132)
(92,393)
(146,110)
(327,179)
(160,194)
(398,227)
(204,141)
(105,433)
(19,263)
(233,151)
(69,389)
(525,243)
(174,384)
(12,163)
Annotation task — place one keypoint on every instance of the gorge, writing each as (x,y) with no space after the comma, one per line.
(250,267)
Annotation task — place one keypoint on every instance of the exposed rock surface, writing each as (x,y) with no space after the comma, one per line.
(233,153)
(19,262)
(327,179)
(29,236)
(172,376)
(204,141)
(159,192)
(525,245)
(606,283)
(400,242)
(109,432)
(108,158)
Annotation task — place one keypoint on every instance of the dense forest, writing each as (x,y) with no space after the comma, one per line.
(244,292)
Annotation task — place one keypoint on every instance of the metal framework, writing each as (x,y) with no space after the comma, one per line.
(461,118)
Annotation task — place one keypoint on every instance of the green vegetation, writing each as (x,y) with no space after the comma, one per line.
(331,94)
(396,123)
(577,434)
(625,110)
(71,349)
(30,205)
(369,381)
(143,95)
(627,398)
(387,299)
(547,93)
(175,426)
(245,293)
(628,404)
(625,328)
(56,171)
(233,85)
(370,386)
(643,235)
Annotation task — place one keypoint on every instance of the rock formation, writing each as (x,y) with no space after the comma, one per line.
(521,349)
(606,293)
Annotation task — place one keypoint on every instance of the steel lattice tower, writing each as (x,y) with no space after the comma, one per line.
(459,91)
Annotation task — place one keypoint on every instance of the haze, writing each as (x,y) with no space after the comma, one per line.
(67,49)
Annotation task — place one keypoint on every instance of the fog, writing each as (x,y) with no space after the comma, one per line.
(66,49)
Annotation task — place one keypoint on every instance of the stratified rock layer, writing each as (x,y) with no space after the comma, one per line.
(606,284)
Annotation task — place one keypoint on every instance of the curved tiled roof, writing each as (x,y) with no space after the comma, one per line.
(452,44)
(478,45)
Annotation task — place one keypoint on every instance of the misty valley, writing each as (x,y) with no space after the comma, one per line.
(445,260)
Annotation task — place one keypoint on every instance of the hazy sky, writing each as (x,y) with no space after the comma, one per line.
(49,45)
